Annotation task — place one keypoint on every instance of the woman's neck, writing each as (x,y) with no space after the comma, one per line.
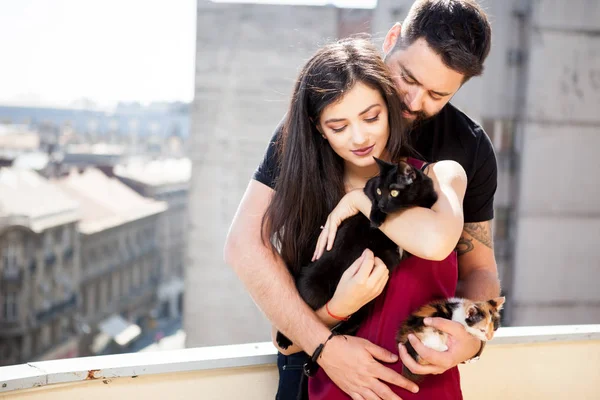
(357,177)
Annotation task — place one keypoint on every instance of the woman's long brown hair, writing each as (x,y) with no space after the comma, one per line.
(310,183)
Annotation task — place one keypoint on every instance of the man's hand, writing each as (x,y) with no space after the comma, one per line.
(461,347)
(351,363)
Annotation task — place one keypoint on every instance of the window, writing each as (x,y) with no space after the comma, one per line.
(48,243)
(65,327)
(45,339)
(89,301)
(9,257)
(58,234)
(66,237)
(9,309)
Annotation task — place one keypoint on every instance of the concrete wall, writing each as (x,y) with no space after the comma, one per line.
(247,59)
(557,252)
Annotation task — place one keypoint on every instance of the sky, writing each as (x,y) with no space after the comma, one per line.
(57,52)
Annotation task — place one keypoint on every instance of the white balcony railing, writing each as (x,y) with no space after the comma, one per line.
(552,362)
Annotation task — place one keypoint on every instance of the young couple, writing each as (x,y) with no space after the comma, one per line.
(348,106)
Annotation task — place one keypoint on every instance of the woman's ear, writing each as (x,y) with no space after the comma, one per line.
(318,128)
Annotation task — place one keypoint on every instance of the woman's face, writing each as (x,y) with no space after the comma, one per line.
(356,126)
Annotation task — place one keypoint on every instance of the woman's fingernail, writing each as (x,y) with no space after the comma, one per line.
(427,321)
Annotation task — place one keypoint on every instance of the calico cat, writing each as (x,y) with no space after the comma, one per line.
(481,319)
(397,187)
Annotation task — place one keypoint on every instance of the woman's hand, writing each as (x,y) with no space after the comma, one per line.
(345,209)
(363,281)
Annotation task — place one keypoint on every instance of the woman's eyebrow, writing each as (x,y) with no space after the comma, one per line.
(361,113)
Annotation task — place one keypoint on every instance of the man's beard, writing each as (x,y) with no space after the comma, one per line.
(418,117)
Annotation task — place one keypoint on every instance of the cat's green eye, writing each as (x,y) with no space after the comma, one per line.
(379,191)
(394,193)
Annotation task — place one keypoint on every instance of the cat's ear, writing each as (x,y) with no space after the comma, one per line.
(411,174)
(471,311)
(408,171)
(383,166)
(498,302)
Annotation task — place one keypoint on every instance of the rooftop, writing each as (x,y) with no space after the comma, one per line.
(25,193)
(156,172)
(106,202)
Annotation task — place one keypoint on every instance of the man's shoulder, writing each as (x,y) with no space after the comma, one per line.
(464,128)
(455,115)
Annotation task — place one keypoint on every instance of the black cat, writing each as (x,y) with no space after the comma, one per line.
(398,186)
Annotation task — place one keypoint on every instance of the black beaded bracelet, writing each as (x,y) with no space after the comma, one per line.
(311,366)
(476,356)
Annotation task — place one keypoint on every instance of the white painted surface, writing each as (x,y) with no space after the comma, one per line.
(217,357)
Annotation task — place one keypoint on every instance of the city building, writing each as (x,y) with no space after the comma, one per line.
(120,260)
(39,269)
(166,180)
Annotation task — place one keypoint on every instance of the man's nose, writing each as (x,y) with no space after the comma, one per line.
(415,99)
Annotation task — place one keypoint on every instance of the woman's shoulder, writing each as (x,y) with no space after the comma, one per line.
(447,171)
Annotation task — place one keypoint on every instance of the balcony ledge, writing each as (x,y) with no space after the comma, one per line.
(106,368)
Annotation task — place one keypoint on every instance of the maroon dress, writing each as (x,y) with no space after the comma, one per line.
(414,282)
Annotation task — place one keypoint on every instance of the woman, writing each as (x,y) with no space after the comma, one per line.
(345,111)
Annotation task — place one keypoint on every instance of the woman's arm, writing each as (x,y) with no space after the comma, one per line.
(360,283)
(427,233)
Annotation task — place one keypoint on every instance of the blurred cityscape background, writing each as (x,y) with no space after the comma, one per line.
(127,141)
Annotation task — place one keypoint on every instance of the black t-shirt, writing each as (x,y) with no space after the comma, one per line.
(450,135)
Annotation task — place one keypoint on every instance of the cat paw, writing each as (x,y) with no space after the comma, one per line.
(377,218)
(282,341)
(375,224)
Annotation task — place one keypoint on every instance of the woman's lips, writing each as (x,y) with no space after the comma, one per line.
(364,151)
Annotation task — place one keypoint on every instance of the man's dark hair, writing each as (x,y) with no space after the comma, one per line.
(457,30)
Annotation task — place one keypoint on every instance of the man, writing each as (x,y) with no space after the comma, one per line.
(440,46)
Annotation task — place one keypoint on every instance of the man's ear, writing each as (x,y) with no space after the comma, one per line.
(391,38)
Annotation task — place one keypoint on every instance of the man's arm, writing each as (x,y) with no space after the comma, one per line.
(477,269)
(477,280)
(265,275)
(350,362)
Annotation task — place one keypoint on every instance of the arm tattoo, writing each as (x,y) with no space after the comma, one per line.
(481,231)
(464,246)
